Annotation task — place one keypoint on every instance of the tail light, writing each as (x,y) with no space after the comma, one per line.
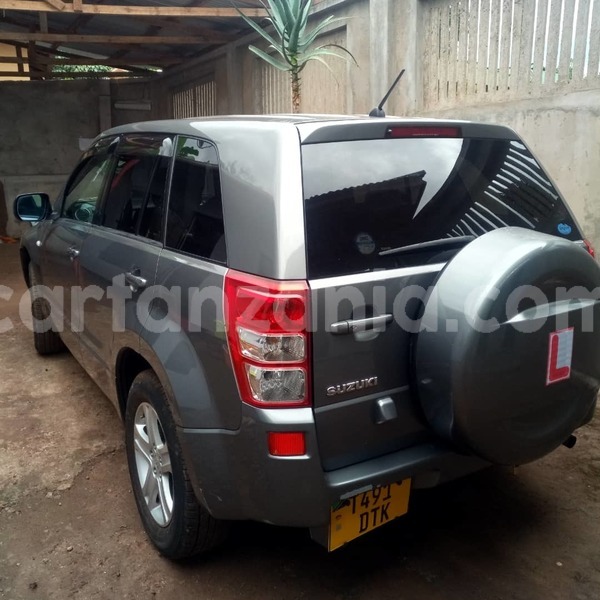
(590,248)
(420,131)
(268,340)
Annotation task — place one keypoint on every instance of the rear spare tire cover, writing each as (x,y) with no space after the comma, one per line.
(507,364)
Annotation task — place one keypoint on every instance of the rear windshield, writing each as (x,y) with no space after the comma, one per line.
(365,197)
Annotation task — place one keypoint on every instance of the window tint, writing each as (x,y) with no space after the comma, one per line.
(364,197)
(195,218)
(86,187)
(136,194)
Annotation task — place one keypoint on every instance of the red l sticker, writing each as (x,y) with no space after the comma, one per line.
(560,355)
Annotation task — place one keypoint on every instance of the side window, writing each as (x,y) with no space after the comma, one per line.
(195,216)
(136,194)
(86,187)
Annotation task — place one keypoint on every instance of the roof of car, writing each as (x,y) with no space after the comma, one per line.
(307,124)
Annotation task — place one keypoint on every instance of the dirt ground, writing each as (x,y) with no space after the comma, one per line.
(69,527)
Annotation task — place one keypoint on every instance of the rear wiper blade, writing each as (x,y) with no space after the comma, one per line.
(441,244)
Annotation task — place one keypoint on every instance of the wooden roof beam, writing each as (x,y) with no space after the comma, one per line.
(87,74)
(129,10)
(121,62)
(56,4)
(71,38)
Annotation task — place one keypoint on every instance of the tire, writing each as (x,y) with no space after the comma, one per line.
(486,383)
(46,341)
(177,525)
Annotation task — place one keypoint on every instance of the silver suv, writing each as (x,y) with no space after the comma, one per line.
(301,319)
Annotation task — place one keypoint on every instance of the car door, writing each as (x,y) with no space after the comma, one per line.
(120,255)
(65,235)
(195,258)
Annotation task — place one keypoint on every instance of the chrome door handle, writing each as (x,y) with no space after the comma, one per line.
(135,282)
(354,325)
(73,252)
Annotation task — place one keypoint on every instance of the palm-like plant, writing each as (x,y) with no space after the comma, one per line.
(293,43)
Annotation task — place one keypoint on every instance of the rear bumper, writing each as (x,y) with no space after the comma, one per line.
(235,477)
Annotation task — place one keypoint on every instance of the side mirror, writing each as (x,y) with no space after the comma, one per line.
(32,207)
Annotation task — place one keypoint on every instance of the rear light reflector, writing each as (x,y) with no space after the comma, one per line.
(272,348)
(276,385)
(287,443)
(590,248)
(267,333)
(420,131)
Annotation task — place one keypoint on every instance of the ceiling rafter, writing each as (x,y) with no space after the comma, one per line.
(184,26)
(57,4)
(109,62)
(133,10)
(77,38)
(79,74)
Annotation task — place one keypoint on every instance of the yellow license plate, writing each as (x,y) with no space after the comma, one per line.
(367,511)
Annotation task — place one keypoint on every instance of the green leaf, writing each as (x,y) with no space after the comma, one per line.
(278,64)
(294,7)
(314,33)
(322,61)
(345,50)
(265,35)
(279,18)
(283,9)
(304,18)
(310,37)
(299,25)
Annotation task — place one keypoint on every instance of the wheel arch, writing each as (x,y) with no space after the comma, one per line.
(129,364)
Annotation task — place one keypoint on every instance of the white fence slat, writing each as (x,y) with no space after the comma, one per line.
(430,97)
(537,68)
(484,32)
(453,50)
(517,28)
(564,65)
(580,40)
(473,48)
(461,65)
(524,46)
(426,63)
(445,52)
(495,9)
(437,24)
(505,35)
(553,39)
(594,55)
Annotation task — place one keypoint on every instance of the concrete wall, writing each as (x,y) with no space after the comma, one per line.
(40,128)
(43,123)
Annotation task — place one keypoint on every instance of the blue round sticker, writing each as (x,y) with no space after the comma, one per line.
(564,228)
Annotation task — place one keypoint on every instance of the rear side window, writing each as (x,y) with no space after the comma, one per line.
(195,216)
(365,197)
(136,194)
